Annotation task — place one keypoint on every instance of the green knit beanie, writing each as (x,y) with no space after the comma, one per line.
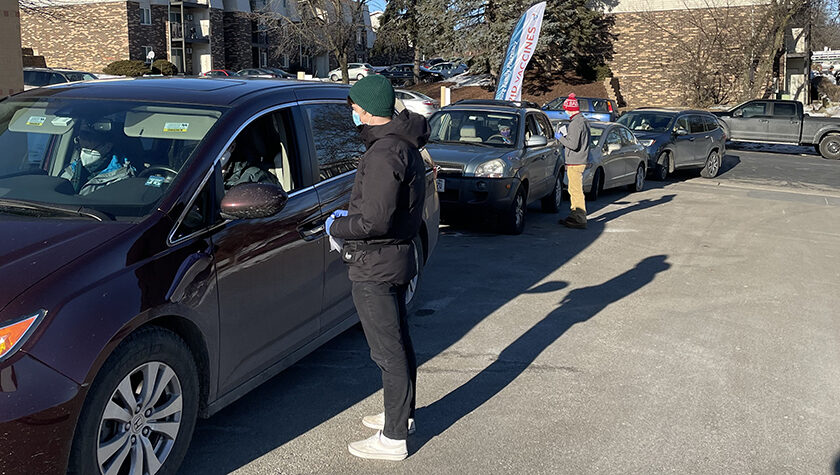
(374,94)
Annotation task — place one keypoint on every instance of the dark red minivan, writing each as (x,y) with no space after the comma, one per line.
(162,252)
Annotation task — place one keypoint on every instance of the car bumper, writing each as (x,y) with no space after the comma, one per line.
(38,412)
(471,192)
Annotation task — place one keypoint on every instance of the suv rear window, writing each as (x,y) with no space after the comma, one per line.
(600,105)
(643,121)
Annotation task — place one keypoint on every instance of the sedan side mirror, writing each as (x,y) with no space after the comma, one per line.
(536,141)
(253,200)
(613,147)
(738,113)
(680,131)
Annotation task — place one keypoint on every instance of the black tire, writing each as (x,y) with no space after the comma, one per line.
(830,147)
(638,180)
(552,202)
(414,284)
(148,345)
(334,78)
(712,166)
(597,186)
(660,170)
(359,77)
(513,220)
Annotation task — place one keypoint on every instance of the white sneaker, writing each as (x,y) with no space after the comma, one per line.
(378,422)
(379,447)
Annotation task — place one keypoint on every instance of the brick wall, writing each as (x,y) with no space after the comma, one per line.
(86,37)
(237,28)
(217,38)
(648,64)
(153,35)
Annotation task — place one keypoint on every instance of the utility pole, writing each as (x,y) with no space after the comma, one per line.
(808,53)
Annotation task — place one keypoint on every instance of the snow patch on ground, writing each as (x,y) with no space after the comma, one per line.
(466,79)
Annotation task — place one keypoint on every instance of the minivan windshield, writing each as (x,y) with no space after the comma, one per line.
(475,127)
(643,121)
(116,158)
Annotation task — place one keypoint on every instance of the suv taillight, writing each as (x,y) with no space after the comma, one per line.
(609,106)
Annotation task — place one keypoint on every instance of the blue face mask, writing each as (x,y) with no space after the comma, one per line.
(357,120)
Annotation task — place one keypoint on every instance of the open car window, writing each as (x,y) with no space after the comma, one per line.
(115,157)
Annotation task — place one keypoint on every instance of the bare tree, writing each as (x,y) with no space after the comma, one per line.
(325,26)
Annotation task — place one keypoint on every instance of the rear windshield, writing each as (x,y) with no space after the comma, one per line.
(116,157)
(639,121)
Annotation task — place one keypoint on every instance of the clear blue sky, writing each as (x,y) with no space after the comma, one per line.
(376,5)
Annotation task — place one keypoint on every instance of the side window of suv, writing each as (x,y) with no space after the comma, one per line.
(531,127)
(711,123)
(338,145)
(696,124)
(545,125)
(682,123)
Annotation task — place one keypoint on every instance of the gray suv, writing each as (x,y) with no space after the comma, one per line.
(678,139)
(496,157)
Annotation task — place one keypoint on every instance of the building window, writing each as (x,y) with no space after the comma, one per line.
(145,15)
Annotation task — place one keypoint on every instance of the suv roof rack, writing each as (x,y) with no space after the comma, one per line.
(494,102)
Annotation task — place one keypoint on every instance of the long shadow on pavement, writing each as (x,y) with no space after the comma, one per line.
(490,273)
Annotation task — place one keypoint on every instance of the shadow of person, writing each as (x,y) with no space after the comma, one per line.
(578,306)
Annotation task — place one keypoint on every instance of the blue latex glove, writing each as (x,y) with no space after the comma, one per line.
(557,135)
(339,213)
(327,224)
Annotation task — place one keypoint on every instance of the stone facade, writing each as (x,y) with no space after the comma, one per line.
(153,35)
(649,66)
(237,34)
(217,38)
(86,37)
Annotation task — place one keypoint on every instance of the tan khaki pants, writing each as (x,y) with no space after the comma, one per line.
(575,174)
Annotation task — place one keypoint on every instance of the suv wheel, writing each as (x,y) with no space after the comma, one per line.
(552,202)
(660,170)
(514,218)
(141,409)
(639,181)
(419,256)
(830,147)
(712,167)
(597,186)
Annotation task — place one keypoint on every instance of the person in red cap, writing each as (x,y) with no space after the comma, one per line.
(576,142)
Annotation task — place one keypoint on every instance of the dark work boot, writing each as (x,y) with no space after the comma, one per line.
(575,220)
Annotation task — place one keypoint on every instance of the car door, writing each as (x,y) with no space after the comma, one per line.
(536,158)
(269,270)
(785,123)
(751,121)
(612,158)
(700,133)
(631,149)
(337,147)
(684,154)
(554,153)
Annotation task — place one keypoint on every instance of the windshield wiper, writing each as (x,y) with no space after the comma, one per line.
(55,209)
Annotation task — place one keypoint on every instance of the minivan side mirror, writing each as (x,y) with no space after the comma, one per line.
(680,131)
(613,147)
(536,141)
(253,200)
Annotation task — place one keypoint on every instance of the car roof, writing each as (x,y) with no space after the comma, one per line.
(672,110)
(56,70)
(210,91)
(498,103)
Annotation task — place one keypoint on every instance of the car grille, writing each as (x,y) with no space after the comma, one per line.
(449,169)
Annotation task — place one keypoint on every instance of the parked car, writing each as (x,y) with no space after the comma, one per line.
(404,74)
(432,61)
(616,158)
(416,102)
(496,157)
(355,70)
(447,70)
(269,73)
(38,77)
(678,139)
(593,108)
(782,122)
(219,73)
(281,73)
(131,308)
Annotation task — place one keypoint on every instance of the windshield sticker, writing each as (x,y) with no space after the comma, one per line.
(176,127)
(36,120)
(155,181)
(62,121)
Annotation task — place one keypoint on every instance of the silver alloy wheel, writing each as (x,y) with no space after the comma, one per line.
(139,426)
(714,163)
(640,178)
(833,146)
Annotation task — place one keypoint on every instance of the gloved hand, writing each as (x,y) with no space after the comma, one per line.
(339,213)
(558,135)
(327,224)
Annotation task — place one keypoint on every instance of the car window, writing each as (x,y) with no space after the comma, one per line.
(784,109)
(56,78)
(338,145)
(696,124)
(754,109)
(627,136)
(600,105)
(469,126)
(644,121)
(263,153)
(595,134)
(36,78)
(545,125)
(613,137)
(682,123)
(711,123)
(584,105)
(531,127)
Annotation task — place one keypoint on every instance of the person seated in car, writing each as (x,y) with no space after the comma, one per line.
(92,166)
(505,132)
(238,170)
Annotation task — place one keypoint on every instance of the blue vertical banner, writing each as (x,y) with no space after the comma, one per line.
(520,49)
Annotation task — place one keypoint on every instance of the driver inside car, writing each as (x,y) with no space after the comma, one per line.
(90,167)
(243,170)
(505,132)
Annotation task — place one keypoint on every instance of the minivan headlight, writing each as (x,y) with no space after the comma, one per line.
(492,169)
(14,335)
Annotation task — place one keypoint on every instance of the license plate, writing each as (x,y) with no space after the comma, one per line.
(441,185)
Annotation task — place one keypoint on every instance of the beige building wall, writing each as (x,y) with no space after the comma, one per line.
(11,74)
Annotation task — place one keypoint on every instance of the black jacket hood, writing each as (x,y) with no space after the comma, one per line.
(408,126)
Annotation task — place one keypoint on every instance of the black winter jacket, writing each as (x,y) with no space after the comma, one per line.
(386,204)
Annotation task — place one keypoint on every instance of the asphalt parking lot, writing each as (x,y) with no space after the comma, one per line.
(691,329)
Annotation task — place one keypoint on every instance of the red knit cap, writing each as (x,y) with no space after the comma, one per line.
(571,103)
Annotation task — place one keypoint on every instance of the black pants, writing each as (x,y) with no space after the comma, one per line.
(382,311)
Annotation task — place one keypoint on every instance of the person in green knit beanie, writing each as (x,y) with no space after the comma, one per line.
(379,229)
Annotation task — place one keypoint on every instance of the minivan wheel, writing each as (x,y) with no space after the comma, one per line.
(140,412)
(639,181)
(712,167)
(597,186)
(414,283)
(552,202)
(514,218)
(830,147)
